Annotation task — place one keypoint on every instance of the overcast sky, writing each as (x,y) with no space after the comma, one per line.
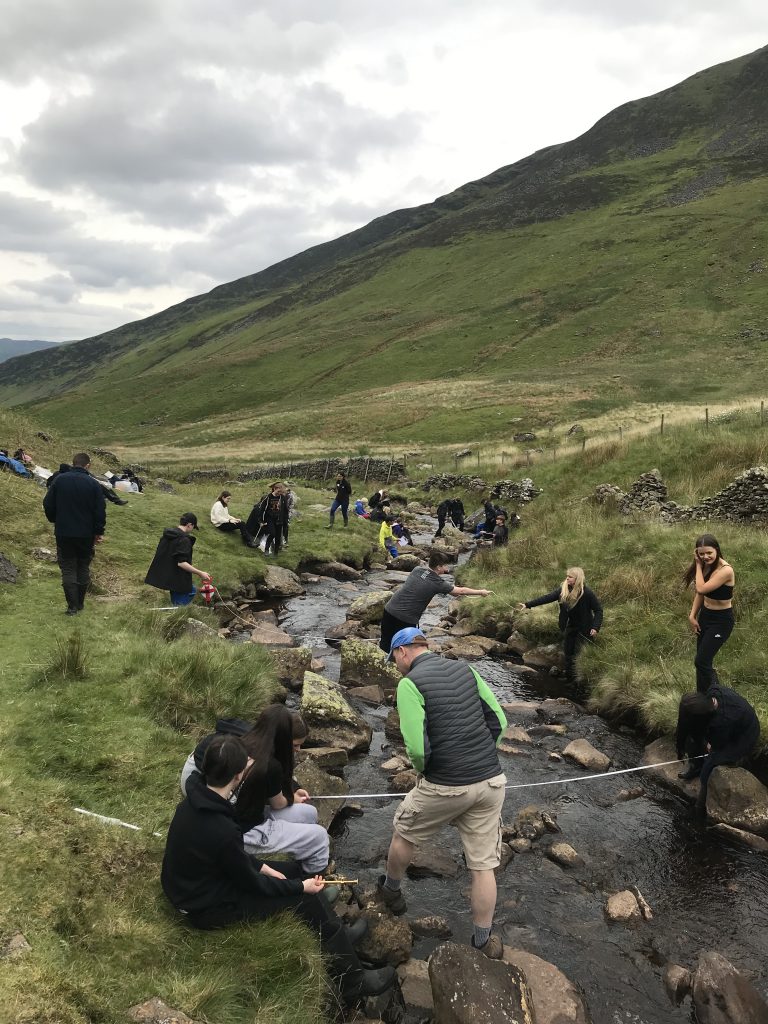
(151,149)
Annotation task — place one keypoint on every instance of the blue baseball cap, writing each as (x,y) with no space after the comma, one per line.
(405,637)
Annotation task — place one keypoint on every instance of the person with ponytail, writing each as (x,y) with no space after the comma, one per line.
(711,615)
(581,616)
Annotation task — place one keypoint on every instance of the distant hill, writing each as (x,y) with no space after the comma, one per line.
(629,264)
(10,348)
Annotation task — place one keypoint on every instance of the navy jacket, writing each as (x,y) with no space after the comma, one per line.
(732,730)
(586,614)
(75,504)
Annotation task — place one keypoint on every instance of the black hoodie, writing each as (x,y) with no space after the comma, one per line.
(732,730)
(164,573)
(205,865)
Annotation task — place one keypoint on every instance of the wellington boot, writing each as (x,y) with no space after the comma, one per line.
(368,983)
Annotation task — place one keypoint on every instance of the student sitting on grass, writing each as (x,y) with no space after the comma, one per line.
(213,883)
(226,523)
(273,811)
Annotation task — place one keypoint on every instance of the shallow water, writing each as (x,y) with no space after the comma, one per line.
(705,893)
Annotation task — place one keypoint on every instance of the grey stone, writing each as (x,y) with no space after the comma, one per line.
(516,734)
(677,982)
(663,750)
(369,607)
(403,781)
(735,797)
(584,754)
(43,554)
(267,635)
(325,757)
(368,694)
(8,571)
(556,1000)
(623,906)
(564,855)
(290,664)
(721,995)
(310,776)
(155,1011)
(279,582)
(337,571)
(738,835)
(415,986)
(363,663)
(332,721)
(16,947)
(431,926)
(432,861)
(548,656)
(199,630)
(468,988)
(389,939)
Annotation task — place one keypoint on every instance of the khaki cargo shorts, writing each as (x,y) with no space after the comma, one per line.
(474,809)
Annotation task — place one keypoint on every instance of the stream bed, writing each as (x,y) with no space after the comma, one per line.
(705,893)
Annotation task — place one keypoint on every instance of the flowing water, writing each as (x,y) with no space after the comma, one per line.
(705,893)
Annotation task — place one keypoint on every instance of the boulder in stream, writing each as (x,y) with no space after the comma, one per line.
(416,989)
(267,635)
(290,665)
(584,754)
(431,860)
(556,1000)
(279,582)
(546,657)
(363,663)
(389,938)
(736,798)
(336,570)
(663,750)
(369,607)
(404,563)
(310,776)
(623,906)
(722,995)
(677,982)
(738,835)
(332,721)
(367,694)
(564,855)
(468,988)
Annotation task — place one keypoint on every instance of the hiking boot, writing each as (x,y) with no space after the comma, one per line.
(393,899)
(358,930)
(72,610)
(493,948)
(368,983)
(329,526)
(691,772)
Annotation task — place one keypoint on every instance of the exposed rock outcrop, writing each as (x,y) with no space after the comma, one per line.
(556,1000)
(735,797)
(363,663)
(584,754)
(722,995)
(332,721)
(468,988)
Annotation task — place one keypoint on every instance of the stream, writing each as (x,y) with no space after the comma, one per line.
(705,893)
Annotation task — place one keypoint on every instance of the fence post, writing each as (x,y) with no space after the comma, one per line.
(621,433)
(706,418)
(662,423)
(325,474)
(583,443)
(528,455)
(554,452)
(478,458)
(762,411)
(389,471)
(367,464)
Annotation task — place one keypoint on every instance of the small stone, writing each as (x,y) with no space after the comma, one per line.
(155,1011)
(516,734)
(548,730)
(16,947)
(415,986)
(506,854)
(623,906)
(630,794)
(43,554)
(520,845)
(677,982)
(431,926)
(550,822)
(199,630)
(512,751)
(403,782)
(584,754)
(395,764)
(554,756)
(564,855)
(317,665)
(645,908)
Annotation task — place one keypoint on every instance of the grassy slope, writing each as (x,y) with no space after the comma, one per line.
(644,659)
(86,895)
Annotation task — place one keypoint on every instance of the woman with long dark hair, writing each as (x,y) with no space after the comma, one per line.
(210,880)
(226,523)
(580,618)
(711,615)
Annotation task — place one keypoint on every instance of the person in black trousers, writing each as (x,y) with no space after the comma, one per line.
(227,523)
(711,615)
(341,501)
(213,883)
(269,518)
(720,724)
(75,504)
(580,619)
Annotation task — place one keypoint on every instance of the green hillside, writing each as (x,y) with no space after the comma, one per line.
(623,266)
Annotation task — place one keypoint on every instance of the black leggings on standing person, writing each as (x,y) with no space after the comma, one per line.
(389,626)
(232,527)
(274,534)
(573,641)
(715,626)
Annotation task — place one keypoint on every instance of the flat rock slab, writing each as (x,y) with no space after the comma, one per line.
(738,835)
(516,734)
(268,635)
(584,754)
(337,571)
(279,582)
(155,1011)
(661,750)
(722,995)
(564,855)
(468,988)
(556,1000)
(431,926)
(368,694)
(735,797)
(415,986)
(310,776)
(326,757)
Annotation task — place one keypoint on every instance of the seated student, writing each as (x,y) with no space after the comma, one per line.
(487,524)
(213,883)
(500,532)
(223,521)
(376,499)
(399,530)
(21,456)
(386,537)
(273,811)
(719,723)
(360,509)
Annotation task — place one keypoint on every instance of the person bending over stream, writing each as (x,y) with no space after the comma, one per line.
(580,619)
(719,723)
(409,602)
(213,883)
(711,615)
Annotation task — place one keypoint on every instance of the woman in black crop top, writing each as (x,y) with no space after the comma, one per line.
(711,615)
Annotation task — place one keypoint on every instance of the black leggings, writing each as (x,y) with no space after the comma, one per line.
(573,641)
(389,626)
(233,527)
(714,629)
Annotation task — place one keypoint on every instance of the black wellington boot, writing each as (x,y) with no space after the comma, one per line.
(81,592)
(353,981)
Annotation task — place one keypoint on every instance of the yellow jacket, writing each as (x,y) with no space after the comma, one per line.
(385,534)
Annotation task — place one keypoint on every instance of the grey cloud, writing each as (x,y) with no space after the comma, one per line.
(27,224)
(58,287)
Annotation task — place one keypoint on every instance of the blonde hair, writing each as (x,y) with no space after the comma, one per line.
(572,595)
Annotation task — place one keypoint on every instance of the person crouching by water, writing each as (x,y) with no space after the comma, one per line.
(711,615)
(172,568)
(719,723)
(214,883)
(226,523)
(580,619)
